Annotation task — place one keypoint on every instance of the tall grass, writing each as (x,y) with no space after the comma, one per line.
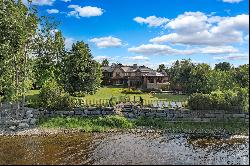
(230,127)
(87,124)
(101,124)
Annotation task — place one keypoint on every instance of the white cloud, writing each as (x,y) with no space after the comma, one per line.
(168,63)
(101,58)
(239,56)
(152,21)
(232,1)
(69,42)
(138,58)
(156,49)
(217,50)
(52,11)
(43,2)
(104,42)
(152,49)
(196,28)
(86,11)
(189,22)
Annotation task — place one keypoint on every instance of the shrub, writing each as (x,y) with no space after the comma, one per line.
(218,100)
(199,101)
(65,102)
(52,97)
(165,87)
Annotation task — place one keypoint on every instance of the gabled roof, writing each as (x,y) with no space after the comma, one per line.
(108,69)
(143,69)
(126,69)
(154,73)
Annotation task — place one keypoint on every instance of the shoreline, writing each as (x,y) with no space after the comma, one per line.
(118,124)
(39,131)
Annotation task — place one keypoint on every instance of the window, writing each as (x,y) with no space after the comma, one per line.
(151,80)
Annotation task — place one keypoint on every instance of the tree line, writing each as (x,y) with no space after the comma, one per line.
(224,87)
(201,78)
(33,55)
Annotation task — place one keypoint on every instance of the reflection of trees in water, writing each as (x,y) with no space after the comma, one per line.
(70,149)
(119,148)
(53,149)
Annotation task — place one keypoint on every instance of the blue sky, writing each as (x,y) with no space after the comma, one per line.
(152,32)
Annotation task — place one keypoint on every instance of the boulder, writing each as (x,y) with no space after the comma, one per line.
(23,125)
(25,121)
(13,128)
(71,113)
(29,112)
(33,121)
(30,116)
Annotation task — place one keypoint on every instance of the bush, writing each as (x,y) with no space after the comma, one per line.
(165,87)
(52,97)
(218,100)
(199,101)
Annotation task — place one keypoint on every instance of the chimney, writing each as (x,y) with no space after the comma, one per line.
(134,66)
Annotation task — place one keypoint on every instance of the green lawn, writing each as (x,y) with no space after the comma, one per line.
(108,92)
(171,97)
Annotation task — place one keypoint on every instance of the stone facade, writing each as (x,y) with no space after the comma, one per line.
(134,76)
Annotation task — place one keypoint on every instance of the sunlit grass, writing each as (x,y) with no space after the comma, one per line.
(108,92)
(101,124)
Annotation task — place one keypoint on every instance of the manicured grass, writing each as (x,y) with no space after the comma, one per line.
(108,92)
(101,124)
(171,97)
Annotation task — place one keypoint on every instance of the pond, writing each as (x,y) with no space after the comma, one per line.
(122,148)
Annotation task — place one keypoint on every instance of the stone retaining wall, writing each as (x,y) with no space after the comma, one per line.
(28,117)
(170,114)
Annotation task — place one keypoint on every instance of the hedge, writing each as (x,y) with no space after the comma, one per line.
(218,100)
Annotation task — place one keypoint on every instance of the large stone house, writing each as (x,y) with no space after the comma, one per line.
(134,76)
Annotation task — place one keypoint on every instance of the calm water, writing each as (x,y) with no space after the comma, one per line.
(122,149)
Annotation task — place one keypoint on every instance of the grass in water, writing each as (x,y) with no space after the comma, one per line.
(101,124)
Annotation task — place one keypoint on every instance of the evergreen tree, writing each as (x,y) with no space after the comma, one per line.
(105,62)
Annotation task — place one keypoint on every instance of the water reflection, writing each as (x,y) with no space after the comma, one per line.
(122,148)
